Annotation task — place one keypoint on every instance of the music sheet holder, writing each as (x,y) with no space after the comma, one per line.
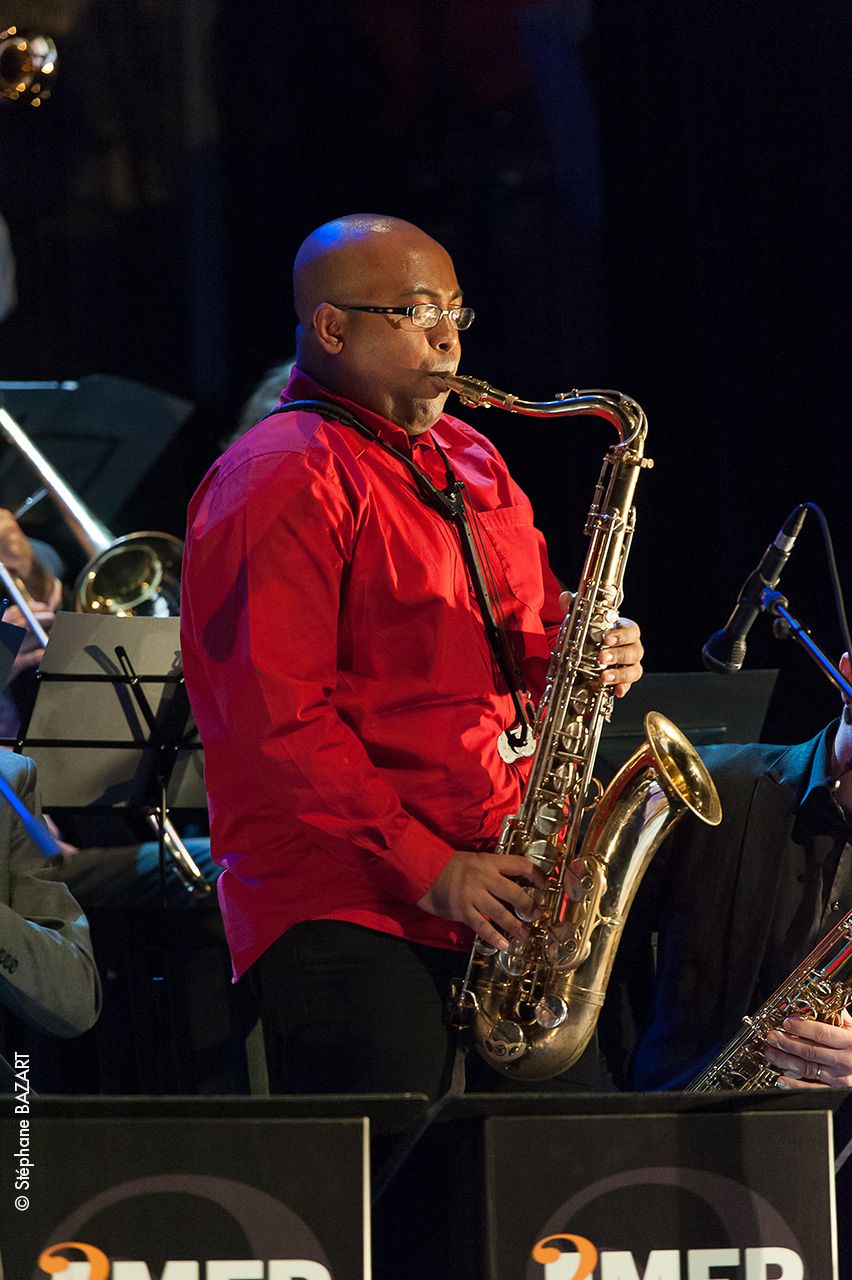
(109,725)
(103,434)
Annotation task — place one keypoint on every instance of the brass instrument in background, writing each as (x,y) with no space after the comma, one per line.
(134,576)
(820,988)
(137,575)
(534,1007)
(27,66)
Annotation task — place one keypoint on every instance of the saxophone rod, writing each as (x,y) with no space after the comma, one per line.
(624,414)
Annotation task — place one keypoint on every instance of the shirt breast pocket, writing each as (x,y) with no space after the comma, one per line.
(513,547)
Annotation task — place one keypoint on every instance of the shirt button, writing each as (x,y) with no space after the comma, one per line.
(835,906)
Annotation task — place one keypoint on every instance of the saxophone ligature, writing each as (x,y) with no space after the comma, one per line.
(532,1009)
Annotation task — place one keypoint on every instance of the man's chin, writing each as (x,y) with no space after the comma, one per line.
(425,414)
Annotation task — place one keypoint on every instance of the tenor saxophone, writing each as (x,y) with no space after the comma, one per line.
(532,1009)
(820,988)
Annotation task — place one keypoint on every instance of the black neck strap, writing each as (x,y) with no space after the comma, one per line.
(449,503)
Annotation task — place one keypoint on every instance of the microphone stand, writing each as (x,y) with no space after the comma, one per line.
(788,627)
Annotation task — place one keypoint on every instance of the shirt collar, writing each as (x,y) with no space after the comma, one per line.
(818,809)
(301,386)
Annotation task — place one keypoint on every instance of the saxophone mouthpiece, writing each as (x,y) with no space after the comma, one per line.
(476,393)
(471,391)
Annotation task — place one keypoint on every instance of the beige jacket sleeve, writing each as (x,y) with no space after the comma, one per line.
(48,975)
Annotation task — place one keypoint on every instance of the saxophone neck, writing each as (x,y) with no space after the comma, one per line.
(624,414)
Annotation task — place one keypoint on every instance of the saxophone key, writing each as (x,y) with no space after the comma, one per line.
(513,960)
(504,1042)
(564,948)
(549,819)
(551,1011)
(582,698)
(602,623)
(481,948)
(542,853)
(538,900)
(581,878)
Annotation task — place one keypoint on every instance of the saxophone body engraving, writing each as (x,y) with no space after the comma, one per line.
(820,988)
(532,1009)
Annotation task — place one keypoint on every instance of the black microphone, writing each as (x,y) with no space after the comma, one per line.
(725,651)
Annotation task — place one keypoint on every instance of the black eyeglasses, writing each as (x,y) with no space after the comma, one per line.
(424,315)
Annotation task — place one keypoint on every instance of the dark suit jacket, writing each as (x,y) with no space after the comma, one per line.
(709,897)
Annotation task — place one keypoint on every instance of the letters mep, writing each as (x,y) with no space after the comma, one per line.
(695,1264)
(251,1269)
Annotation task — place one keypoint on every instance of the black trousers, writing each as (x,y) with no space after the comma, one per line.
(350,1010)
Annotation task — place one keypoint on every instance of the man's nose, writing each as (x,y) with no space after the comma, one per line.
(444,336)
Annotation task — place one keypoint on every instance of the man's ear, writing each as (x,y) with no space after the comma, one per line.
(329,325)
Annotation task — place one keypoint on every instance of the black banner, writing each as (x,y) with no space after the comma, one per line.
(183,1198)
(689,1197)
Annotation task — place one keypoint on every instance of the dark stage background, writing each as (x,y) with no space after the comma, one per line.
(651,196)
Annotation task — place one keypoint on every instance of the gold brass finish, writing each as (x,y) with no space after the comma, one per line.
(27,66)
(532,1008)
(820,988)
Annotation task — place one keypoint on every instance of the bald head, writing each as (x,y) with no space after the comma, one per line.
(346,260)
(379,360)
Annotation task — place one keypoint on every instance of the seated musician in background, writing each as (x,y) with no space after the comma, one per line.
(117,880)
(48,977)
(121,873)
(36,564)
(341,677)
(38,570)
(736,908)
(262,400)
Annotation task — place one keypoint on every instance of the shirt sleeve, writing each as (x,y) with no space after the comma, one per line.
(48,975)
(265,570)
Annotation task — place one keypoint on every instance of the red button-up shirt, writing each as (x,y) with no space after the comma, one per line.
(339,673)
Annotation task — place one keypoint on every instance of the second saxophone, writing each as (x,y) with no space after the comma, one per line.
(533,1008)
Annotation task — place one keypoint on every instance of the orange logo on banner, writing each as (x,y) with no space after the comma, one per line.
(53,1264)
(587,1254)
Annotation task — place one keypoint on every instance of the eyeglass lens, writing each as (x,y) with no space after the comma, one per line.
(427,314)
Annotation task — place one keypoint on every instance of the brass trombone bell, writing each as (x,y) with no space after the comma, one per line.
(138,574)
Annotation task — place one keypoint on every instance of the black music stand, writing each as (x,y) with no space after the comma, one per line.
(108,723)
(108,728)
(496,1165)
(702,706)
(102,434)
